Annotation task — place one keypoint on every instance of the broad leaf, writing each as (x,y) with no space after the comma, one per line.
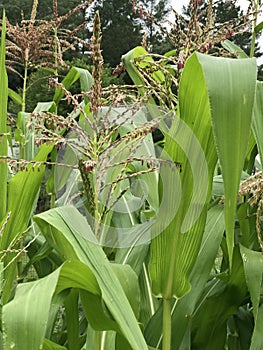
(183,309)
(31,316)
(25,315)
(184,202)
(256,342)
(221,298)
(128,61)
(73,75)
(15,96)
(69,233)
(253,267)
(231,89)
(234,49)
(23,190)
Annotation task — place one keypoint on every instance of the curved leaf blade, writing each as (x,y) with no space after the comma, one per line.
(233,48)
(128,61)
(69,233)
(183,309)
(258,27)
(30,315)
(25,318)
(190,142)
(231,88)
(22,192)
(73,75)
(253,267)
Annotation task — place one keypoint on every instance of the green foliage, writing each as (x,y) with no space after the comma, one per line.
(230,126)
(145,245)
(22,194)
(3,122)
(39,88)
(98,278)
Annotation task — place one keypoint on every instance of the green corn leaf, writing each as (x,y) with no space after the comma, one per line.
(72,317)
(184,308)
(135,256)
(231,88)
(26,330)
(128,61)
(252,152)
(95,313)
(106,340)
(256,341)
(129,282)
(213,234)
(45,107)
(98,319)
(257,123)
(190,142)
(73,75)
(25,136)
(253,267)
(50,345)
(258,27)
(69,233)
(25,318)
(31,317)
(221,298)
(149,304)
(15,96)
(3,120)
(41,257)
(233,48)
(247,225)
(22,193)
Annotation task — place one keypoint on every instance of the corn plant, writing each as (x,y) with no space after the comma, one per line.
(38,44)
(146,246)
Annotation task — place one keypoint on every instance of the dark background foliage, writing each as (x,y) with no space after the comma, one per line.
(124,25)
